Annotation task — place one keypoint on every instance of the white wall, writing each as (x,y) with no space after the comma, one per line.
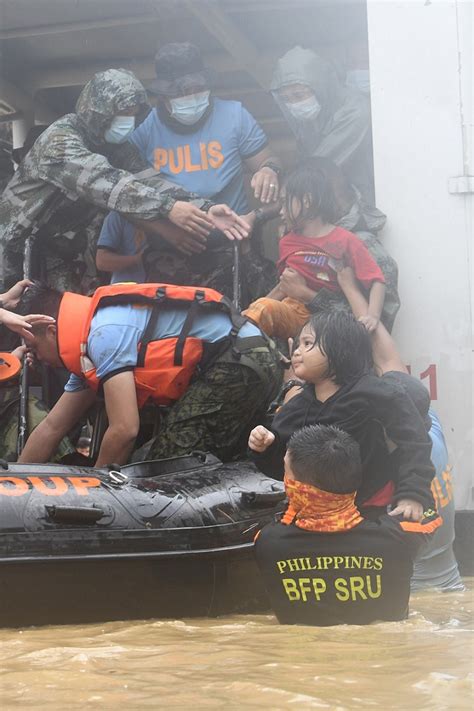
(421,79)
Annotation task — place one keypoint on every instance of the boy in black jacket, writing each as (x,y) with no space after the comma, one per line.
(324,564)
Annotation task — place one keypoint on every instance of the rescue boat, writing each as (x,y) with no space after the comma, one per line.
(168,538)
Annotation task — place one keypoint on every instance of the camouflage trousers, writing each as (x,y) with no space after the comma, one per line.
(63,263)
(212,269)
(220,408)
(37,411)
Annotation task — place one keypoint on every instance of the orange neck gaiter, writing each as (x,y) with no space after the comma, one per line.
(318,510)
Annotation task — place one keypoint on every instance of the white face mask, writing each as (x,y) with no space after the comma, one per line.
(120,128)
(189,109)
(304,110)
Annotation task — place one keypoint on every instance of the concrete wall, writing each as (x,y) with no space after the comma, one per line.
(421,79)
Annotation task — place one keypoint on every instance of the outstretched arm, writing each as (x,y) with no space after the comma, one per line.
(44,440)
(385,352)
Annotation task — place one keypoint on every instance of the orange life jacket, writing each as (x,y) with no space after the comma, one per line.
(165,366)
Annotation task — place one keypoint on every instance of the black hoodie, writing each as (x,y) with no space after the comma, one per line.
(370,409)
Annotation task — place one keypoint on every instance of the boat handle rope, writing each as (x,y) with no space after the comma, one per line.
(117,478)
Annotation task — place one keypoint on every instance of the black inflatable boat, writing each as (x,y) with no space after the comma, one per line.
(168,538)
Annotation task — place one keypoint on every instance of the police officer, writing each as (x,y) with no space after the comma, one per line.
(81,166)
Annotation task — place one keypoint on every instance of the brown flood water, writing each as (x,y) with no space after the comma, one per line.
(425,662)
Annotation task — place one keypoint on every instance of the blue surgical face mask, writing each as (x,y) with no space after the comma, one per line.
(304,110)
(120,128)
(189,109)
(359,79)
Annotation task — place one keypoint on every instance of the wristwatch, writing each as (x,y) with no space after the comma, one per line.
(260,217)
(273,166)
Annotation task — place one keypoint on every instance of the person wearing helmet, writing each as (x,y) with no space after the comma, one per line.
(327,119)
(79,167)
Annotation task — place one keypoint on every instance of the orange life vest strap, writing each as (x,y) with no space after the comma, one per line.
(72,321)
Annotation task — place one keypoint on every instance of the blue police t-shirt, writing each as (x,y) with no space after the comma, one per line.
(116,332)
(209,160)
(120,236)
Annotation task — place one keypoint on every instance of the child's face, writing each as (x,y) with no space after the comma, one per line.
(308,361)
(290,217)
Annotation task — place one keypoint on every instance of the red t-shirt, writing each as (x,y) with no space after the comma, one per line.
(312,257)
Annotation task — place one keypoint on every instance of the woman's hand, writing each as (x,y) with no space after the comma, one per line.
(228,222)
(11,297)
(23,324)
(260,439)
(294,285)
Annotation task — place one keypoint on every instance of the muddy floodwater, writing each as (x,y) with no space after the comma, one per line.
(425,662)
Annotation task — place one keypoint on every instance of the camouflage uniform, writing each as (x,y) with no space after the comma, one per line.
(70,175)
(37,411)
(213,269)
(220,407)
(365,221)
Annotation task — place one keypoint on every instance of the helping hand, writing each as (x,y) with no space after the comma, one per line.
(23,324)
(228,222)
(411,510)
(193,220)
(260,438)
(265,185)
(11,297)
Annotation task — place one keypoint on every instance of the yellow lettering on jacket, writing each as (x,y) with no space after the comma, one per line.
(338,562)
(342,592)
(357,587)
(302,588)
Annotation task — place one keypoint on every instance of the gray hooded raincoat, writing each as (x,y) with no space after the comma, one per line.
(341,130)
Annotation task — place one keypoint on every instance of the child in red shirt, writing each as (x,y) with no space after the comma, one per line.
(311,254)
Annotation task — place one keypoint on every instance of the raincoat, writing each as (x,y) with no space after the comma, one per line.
(68,181)
(341,131)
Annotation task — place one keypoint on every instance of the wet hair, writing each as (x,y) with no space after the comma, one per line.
(345,342)
(326,457)
(311,180)
(40,299)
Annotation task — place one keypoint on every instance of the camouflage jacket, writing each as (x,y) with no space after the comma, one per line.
(70,179)
(71,171)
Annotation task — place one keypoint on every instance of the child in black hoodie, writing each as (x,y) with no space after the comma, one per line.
(334,359)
